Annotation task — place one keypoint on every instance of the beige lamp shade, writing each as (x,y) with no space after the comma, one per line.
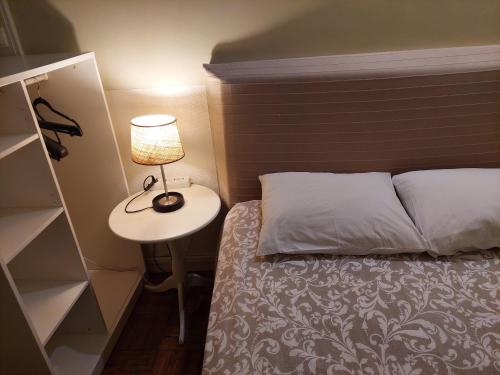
(155,140)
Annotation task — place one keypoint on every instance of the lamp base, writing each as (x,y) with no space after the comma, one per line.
(164,203)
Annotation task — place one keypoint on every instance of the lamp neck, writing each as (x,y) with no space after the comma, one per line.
(164,181)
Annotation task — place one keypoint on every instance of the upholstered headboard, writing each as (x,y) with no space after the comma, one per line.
(392,111)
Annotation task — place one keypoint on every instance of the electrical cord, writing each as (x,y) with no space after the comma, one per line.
(134,198)
(155,258)
(146,186)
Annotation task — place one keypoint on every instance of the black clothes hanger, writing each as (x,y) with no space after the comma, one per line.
(55,148)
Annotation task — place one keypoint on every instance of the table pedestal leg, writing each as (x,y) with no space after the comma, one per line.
(177,250)
(182,323)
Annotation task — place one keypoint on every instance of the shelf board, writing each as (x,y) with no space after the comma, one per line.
(20,226)
(114,290)
(17,68)
(76,353)
(11,143)
(48,302)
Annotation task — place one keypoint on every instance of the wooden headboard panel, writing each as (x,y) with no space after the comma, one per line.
(393,111)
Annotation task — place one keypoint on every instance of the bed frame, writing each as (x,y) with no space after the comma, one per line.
(392,111)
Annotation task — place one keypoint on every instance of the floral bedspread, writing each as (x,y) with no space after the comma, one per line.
(390,315)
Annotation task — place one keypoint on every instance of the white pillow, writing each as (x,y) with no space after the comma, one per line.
(455,209)
(328,213)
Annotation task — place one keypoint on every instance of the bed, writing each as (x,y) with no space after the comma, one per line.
(405,314)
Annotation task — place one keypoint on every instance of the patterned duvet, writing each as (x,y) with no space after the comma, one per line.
(391,315)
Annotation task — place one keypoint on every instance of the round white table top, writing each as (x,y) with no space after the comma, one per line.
(201,206)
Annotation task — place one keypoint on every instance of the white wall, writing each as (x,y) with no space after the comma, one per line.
(159,46)
(150,52)
(151,43)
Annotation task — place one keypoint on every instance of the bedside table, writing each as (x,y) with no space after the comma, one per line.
(201,206)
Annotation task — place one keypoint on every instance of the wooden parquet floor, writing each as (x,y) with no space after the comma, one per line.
(148,344)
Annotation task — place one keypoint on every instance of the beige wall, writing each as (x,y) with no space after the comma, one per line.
(149,43)
(159,46)
(150,52)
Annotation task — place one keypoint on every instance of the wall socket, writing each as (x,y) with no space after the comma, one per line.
(176,182)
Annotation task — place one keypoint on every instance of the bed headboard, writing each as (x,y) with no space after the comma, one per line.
(392,111)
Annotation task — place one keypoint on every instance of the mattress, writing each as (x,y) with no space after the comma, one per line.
(393,315)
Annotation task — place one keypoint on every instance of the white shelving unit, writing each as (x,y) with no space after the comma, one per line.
(20,226)
(47,302)
(59,315)
(11,143)
(77,354)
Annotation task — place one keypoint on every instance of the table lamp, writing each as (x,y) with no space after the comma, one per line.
(155,141)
